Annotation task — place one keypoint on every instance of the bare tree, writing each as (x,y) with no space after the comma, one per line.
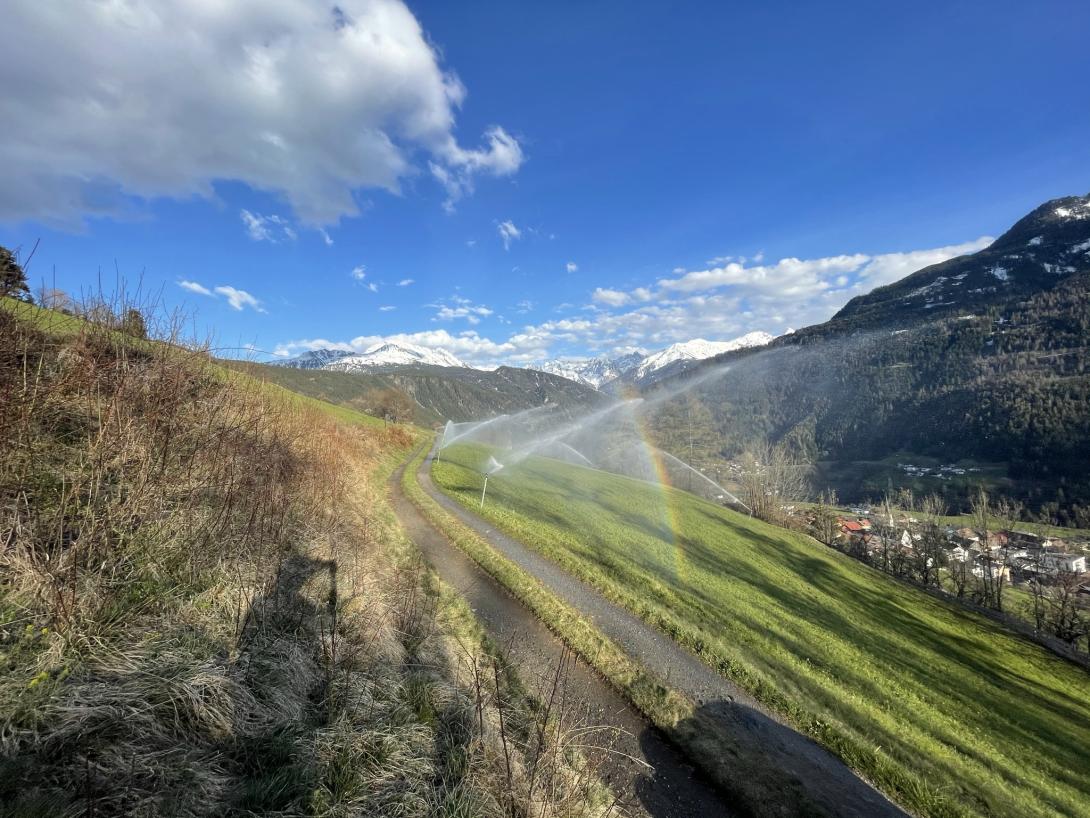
(991,582)
(930,548)
(826,525)
(1067,617)
(771,478)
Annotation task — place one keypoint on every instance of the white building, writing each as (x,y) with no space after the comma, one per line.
(1063,563)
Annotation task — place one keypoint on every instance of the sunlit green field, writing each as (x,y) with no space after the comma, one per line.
(944,710)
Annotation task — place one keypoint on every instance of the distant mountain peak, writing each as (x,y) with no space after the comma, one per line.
(381,354)
(594,372)
(698,350)
(390,353)
(312,359)
(638,365)
(1039,250)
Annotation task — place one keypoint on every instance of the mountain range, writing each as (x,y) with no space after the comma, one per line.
(636,367)
(377,356)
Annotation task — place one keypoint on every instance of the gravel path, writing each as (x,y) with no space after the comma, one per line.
(822,777)
(642,767)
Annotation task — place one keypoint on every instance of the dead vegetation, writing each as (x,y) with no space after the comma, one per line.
(205,609)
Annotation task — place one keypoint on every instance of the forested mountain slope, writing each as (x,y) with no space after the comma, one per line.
(999,376)
(431,394)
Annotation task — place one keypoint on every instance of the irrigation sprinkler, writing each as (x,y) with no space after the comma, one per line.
(492,467)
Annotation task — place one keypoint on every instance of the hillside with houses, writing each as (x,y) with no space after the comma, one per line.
(1024,573)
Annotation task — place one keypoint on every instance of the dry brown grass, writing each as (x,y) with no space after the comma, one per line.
(205,609)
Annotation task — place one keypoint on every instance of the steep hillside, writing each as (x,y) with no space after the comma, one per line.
(437,394)
(903,686)
(206,608)
(1035,255)
(994,380)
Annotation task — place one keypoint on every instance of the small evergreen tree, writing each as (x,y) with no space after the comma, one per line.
(13,283)
(132,323)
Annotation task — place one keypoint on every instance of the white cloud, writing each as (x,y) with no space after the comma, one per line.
(611,298)
(461,308)
(718,304)
(572,267)
(238,299)
(509,233)
(99,114)
(501,156)
(359,272)
(387,308)
(405,282)
(372,286)
(267,228)
(194,287)
(325,237)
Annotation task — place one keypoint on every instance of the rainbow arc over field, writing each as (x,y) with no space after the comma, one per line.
(616,439)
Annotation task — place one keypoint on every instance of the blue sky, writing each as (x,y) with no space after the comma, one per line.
(520,181)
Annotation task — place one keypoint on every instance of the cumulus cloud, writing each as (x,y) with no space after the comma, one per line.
(793,278)
(359,272)
(387,308)
(508,233)
(405,282)
(611,298)
(325,237)
(501,156)
(572,267)
(105,121)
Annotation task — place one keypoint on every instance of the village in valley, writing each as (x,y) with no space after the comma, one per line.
(987,559)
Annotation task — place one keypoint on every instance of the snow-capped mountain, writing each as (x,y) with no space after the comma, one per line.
(1041,249)
(391,354)
(315,359)
(593,372)
(639,366)
(696,350)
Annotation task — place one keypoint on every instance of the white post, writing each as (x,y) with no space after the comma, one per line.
(483,490)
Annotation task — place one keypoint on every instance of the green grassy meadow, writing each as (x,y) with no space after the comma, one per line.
(945,711)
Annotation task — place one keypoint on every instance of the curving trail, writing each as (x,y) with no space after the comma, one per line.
(672,788)
(824,782)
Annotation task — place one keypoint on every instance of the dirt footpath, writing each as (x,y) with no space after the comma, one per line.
(672,788)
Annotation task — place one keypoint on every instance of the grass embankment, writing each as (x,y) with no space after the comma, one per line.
(206,608)
(945,711)
(739,770)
